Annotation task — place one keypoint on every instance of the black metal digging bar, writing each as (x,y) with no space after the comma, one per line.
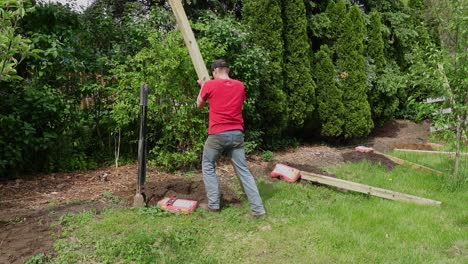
(139,199)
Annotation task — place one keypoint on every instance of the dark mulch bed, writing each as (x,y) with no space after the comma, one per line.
(354,156)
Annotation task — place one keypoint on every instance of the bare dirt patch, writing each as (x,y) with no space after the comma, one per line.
(399,132)
(29,206)
(31,233)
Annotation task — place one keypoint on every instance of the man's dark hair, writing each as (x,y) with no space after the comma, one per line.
(219,64)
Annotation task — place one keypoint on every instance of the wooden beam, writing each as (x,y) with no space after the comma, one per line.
(436,129)
(436,99)
(411,164)
(431,152)
(189,39)
(361,188)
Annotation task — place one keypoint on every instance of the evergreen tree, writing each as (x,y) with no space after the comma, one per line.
(383,90)
(329,95)
(299,85)
(375,46)
(350,48)
(384,5)
(416,4)
(336,13)
(264,19)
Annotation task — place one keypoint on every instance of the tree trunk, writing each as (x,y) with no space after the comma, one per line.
(117,150)
(458,150)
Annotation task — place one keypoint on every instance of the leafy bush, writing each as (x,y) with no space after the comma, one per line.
(268,155)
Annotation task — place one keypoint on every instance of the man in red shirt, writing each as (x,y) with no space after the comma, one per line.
(225,134)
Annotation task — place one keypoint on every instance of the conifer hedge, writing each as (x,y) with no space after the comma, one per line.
(336,12)
(299,85)
(350,48)
(329,95)
(264,19)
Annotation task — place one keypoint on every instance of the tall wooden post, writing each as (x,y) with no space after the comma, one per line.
(190,40)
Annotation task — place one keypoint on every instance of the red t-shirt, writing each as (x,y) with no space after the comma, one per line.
(226,98)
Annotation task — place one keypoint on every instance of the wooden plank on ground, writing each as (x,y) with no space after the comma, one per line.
(361,188)
(436,99)
(411,164)
(436,129)
(443,111)
(189,39)
(431,152)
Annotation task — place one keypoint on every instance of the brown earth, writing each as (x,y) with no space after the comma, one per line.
(28,206)
(354,156)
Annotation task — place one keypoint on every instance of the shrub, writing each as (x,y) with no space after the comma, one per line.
(264,20)
(357,118)
(329,95)
(299,85)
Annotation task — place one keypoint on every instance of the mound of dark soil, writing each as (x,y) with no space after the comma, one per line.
(354,156)
(390,129)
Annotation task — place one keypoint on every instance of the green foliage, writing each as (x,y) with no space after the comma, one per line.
(37,259)
(33,121)
(268,155)
(416,4)
(350,48)
(451,70)
(336,13)
(13,46)
(384,98)
(265,22)
(61,111)
(375,45)
(154,212)
(299,85)
(384,89)
(329,95)
(176,129)
(385,5)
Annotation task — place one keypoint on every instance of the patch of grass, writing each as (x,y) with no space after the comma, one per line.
(441,162)
(53,203)
(305,224)
(37,259)
(15,220)
(110,197)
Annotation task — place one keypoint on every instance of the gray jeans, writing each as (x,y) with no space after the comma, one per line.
(231,143)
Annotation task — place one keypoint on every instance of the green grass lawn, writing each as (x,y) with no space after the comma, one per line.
(306,224)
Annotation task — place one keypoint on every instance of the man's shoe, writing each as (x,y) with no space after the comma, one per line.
(205,207)
(257,216)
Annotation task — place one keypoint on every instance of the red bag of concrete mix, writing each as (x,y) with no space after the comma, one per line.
(286,173)
(363,149)
(176,205)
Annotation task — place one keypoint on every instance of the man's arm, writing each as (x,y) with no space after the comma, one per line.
(200,102)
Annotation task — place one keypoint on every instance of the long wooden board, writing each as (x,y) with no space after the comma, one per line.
(361,188)
(411,164)
(431,152)
(189,39)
